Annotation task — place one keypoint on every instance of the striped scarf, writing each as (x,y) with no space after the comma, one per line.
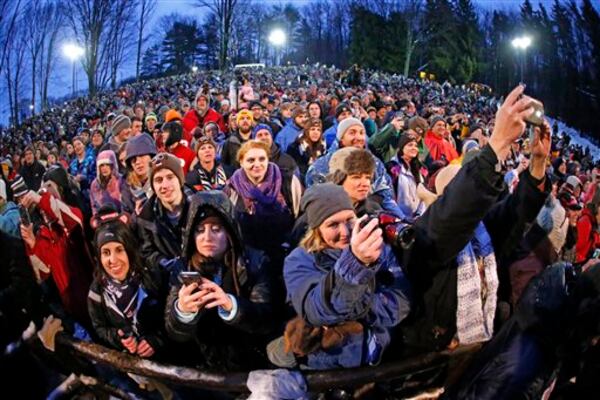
(210,180)
(477,286)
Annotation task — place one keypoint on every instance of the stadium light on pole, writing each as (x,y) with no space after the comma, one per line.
(194,69)
(277,38)
(521,43)
(73,52)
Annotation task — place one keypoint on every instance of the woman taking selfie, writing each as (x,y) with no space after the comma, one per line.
(220,293)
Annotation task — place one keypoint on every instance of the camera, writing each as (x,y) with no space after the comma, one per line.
(396,232)
(537,117)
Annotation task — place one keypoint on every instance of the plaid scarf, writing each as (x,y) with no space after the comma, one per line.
(477,285)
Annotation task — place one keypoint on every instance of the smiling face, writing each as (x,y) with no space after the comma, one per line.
(410,150)
(336,229)
(167,187)
(357,186)
(439,128)
(211,240)
(79,147)
(114,260)
(355,136)
(254,164)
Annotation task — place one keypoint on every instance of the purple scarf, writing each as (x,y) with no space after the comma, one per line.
(263,196)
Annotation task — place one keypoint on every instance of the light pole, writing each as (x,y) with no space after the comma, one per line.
(521,43)
(277,38)
(73,52)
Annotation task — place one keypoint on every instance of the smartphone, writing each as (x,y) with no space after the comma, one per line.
(189,277)
(25,217)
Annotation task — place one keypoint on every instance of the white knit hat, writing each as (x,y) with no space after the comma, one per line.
(345,125)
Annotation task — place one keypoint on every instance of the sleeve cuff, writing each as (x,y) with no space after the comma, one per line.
(228,316)
(184,317)
(351,270)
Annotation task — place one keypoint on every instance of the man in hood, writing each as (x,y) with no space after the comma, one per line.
(199,115)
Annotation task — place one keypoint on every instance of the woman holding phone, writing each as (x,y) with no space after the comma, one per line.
(221,291)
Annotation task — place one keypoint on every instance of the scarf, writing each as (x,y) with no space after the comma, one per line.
(477,285)
(263,198)
(313,150)
(211,180)
(122,297)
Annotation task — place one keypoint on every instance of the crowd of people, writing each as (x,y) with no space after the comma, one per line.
(303,217)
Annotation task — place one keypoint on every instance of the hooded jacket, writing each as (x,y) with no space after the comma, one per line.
(217,338)
(192,119)
(102,192)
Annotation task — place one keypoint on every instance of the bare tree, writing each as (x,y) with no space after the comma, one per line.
(8,17)
(35,34)
(121,28)
(14,62)
(225,10)
(90,21)
(416,29)
(53,12)
(146,8)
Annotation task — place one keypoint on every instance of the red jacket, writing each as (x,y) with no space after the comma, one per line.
(184,153)
(191,120)
(60,252)
(439,147)
(587,236)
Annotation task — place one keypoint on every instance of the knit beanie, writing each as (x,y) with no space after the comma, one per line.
(18,186)
(175,133)
(247,113)
(202,140)
(57,175)
(119,123)
(260,127)
(345,124)
(150,116)
(341,108)
(140,145)
(435,119)
(168,161)
(323,200)
(403,141)
(172,115)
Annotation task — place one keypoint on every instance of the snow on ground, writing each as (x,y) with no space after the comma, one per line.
(576,137)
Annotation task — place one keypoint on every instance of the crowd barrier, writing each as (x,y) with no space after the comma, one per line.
(74,356)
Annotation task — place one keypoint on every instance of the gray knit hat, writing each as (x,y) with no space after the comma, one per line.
(345,125)
(119,123)
(322,201)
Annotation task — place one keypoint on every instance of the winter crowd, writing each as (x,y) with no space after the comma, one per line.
(308,218)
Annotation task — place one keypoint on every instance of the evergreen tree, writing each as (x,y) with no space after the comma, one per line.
(151,62)
(181,46)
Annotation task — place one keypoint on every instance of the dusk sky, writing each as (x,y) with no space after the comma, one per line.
(61,81)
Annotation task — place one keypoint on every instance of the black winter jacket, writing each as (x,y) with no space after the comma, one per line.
(150,324)
(218,342)
(446,228)
(160,241)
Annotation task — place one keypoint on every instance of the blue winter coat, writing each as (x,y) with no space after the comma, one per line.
(333,286)
(288,135)
(10,219)
(330,134)
(87,168)
(381,185)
